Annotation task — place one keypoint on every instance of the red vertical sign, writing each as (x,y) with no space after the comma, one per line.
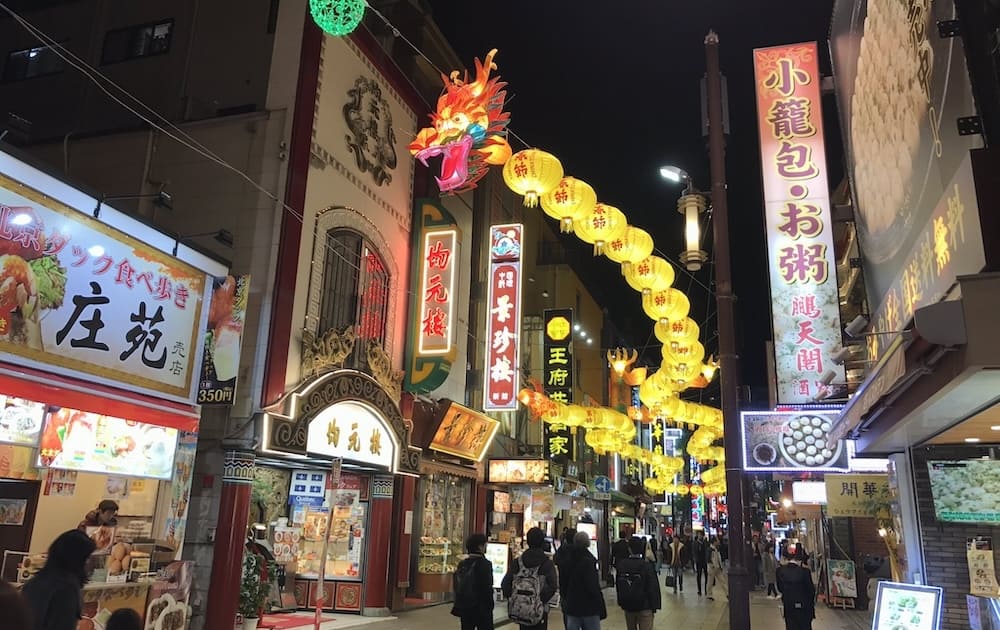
(503,329)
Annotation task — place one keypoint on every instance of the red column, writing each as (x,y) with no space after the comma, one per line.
(230,539)
(379,534)
(407,492)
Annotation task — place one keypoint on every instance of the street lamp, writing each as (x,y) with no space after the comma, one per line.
(691,205)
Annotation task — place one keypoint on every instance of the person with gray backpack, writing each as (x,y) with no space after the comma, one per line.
(530,584)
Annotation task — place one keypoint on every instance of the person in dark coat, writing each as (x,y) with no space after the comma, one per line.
(639,615)
(16,614)
(580,586)
(475,608)
(535,557)
(54,594)
(701,554)
(798,594)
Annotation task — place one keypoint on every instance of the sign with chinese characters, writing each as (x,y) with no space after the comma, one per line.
(430,346)
(518,471)
(805,308)
(82,297)
(503,327)
(557,374)
(220,365)
(464,433)
(857,495)
(915,211)
(982,572)
(89,442)
(792,440)
(353,431)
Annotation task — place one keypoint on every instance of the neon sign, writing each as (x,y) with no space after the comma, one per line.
(503,327)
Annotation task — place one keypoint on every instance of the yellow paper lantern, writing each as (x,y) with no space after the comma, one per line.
(666,305)
(676,331)
(632,246)
(649,275)
(569,202)
(602,224)
(532,173)
(684,352)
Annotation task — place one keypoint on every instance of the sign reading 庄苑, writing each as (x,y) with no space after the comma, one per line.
(558,383)
(82,296)
(805,309)
(503,329)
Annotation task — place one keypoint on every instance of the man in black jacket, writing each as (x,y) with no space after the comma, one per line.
(472,584)
(580,587)
(798,594)
(637,587)
(535,557)
(701,554)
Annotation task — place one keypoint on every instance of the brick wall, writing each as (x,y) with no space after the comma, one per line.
(944,543)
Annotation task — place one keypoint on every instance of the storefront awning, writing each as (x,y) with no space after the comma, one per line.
(50,389)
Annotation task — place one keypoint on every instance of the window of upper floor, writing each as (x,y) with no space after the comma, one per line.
(136,42)
(355,291)
(29,63)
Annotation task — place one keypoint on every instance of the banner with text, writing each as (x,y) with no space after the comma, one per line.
(557,358)
(220,365)
(503,327)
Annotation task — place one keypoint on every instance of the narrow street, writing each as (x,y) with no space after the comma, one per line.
(687,611)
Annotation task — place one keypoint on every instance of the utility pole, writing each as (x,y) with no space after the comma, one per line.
(729,361)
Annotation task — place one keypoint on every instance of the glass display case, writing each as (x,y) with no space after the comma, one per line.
(344,556)
(443,519)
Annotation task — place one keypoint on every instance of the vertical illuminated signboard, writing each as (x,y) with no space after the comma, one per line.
(503,327)
(805,310)
(437,311)
(558,379)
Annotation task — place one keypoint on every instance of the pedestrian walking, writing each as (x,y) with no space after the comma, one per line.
(16,615)
(655,548)
(798,595)
(677,563)
(54,594)
(700,557)
(124,619)
(770,565)
(531,583)
(718,582)
(580,587)
(637,588)
(472,584)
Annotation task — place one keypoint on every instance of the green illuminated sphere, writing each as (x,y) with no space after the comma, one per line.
(337,17)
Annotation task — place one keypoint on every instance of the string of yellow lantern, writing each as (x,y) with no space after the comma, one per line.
(539,176)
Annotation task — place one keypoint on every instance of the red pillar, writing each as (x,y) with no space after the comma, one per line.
(405,497)
(379,535)
(230,539)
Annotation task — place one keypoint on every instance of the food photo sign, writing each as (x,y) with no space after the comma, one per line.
(791,440)
(907,607)
(83,297)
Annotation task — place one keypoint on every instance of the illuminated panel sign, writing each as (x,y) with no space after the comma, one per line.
(805,310)
(437,284)
(503,325)
(557,356)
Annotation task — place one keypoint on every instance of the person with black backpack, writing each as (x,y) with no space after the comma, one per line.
(637,587)
(580,586)
(530,584)
(472,584)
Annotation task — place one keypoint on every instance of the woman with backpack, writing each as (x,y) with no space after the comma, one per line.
(580,586)
(637,588)
(530,584)
(473,587)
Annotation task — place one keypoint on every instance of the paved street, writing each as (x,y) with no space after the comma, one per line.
(686,611)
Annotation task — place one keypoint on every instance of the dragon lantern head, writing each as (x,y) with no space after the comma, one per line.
(469,128)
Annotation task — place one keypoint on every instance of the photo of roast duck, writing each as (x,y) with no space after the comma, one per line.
(30,280)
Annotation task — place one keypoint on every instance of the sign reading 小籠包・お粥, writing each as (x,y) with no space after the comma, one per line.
(557,374)
(805,310)
(83,297)
(503,327)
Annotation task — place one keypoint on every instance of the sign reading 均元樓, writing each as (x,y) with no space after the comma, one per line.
(435,268)
(503,326)
(352,431)
(805,309)
(857,495)
(558,375)
(220,364)
(83,297)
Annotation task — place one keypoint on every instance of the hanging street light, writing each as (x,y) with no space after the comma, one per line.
(691,205)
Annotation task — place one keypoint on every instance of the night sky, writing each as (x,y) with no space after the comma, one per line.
(613,91)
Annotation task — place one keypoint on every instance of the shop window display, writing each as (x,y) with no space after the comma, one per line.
(347,532)
(443,524)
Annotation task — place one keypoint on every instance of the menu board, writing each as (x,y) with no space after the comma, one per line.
(966,491)
(791,440)
(907,607)
(518,471)
(90,442)
(20,420)
(498,554)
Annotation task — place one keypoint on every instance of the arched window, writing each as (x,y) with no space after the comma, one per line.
(355,291)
